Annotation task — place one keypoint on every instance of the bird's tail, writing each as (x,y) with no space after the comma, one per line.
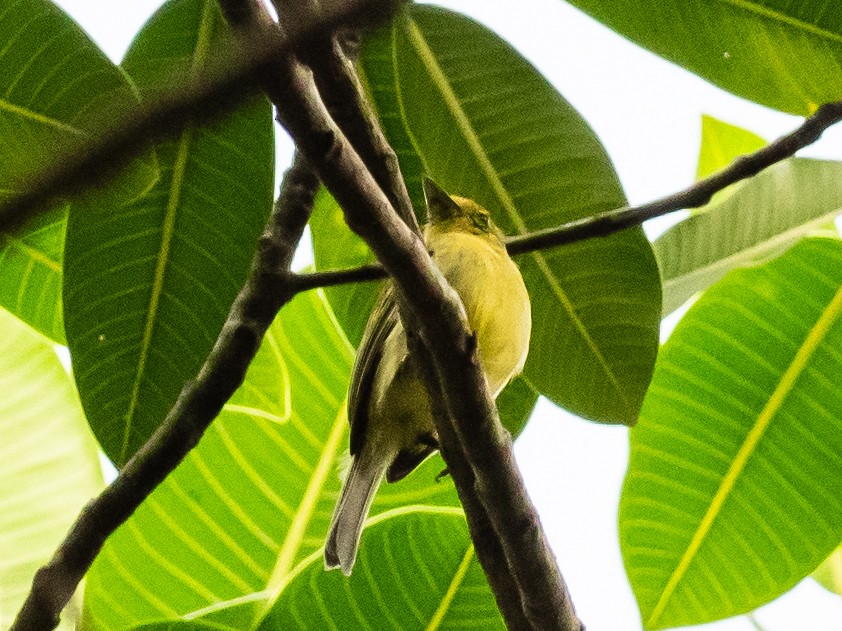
(343,538)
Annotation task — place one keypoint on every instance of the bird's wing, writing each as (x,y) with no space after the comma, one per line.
(382,321)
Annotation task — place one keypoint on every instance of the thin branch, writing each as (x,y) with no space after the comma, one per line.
(609,222)
(200,401)
(695,196)
(230,80)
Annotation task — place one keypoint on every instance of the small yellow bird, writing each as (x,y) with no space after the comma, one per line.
(392,428)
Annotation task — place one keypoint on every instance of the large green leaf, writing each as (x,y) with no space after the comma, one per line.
(419,572)
(732,492)
(376,70)
(336,247)
(55,88)
(256,496)
(48,461)
(785,55)
(148,284)
(757,222)
(488,126)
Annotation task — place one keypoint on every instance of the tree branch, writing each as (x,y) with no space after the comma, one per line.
(427,300)
(265,292)
(607,223)
(695,196)
(346,101)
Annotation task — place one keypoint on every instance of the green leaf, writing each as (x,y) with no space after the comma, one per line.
(419,572)
(732,491)
(238,614)
(255,497)
(30,266)
(48,461)
(722,143)
(56,87)
(335,246)
(515,405)
(829,573)
(488,126)
(149,284)
(784,55)
(757,222)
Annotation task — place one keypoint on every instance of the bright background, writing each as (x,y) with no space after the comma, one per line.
(647,112)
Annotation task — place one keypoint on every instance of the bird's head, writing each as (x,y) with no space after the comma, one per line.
(451,212)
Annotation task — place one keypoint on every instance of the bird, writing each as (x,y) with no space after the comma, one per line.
(389,410)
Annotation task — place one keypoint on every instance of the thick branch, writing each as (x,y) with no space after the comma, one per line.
(489,547)
(425,296)
(607,223)
(200,401)
(346,101)
(496,483)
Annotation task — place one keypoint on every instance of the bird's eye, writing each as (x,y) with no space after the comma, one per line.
(481,221)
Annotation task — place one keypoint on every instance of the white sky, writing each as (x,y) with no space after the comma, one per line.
(647,113)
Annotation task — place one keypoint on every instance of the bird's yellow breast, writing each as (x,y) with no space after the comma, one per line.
(495,299)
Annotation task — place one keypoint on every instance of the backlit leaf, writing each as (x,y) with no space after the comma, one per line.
(732,492)
(419,572)
(784,55)
(48,460)
(148,284)
(760,220)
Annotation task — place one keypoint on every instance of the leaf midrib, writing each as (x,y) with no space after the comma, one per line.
(452,590)
(785,385)
(306,508)
(464,125)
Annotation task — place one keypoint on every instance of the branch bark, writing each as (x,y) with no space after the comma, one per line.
(346,102)
(695,196)
(200,401)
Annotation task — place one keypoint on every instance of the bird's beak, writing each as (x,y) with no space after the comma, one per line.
(440,206)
